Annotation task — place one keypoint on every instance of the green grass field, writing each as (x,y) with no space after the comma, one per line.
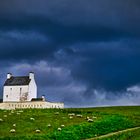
(69,124)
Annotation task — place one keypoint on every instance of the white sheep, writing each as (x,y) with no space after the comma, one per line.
(90,120)
(62,125)
(5,116)
(94,117)
(71,117)
(12,130)
(12,111)
(14,125)
(37,131)
(71,114)
(32,119)
(59,129)
(1,120)
(79,115)
(56,113)
(49,125)
(87,118)
(20,111)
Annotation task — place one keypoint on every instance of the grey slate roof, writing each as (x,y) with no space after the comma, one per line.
(17,81)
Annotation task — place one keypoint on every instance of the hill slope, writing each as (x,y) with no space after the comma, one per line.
(67,124)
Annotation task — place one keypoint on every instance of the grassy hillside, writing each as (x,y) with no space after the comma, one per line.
(68,124)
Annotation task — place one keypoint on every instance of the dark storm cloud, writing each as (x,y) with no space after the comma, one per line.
(93,46)
(113,66)
(64,23)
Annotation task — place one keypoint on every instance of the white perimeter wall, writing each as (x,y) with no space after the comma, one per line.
(24,105)
(13,93)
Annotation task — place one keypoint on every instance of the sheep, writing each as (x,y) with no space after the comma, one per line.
(90,120)
(37,131)
(5,116)
(56,113)
(1,120)
(14,125)
(71,117)
(87,118)
(72,114)
(12,130)
(59,129)
(79,115)
(18,113)
(49,125)
(94,117)
(12,111)
(62,125)
(32,119)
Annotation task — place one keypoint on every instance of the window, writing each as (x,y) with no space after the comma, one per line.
(6,96)
(20,90)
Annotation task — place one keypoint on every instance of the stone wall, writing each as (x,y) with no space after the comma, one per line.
(24,105)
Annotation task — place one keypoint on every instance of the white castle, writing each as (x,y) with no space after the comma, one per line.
(21,92)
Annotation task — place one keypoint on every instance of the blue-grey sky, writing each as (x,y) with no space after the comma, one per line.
(83,52)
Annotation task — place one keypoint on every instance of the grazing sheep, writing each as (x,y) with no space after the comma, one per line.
(12,130)
(14,125)
(94,117)
(18,113)
(32,119)
(71,117)
(56,113)
(87,118)
(71,114)
(62,125)
(79,115)
(5,116)
(12,111)
(59,129)
(90,120)
(49,125)
(1,120)
(37,131)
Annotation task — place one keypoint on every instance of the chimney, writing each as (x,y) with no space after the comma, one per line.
(43,97)
(31,75)
(9,75)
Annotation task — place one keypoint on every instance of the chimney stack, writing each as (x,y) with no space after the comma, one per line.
(43,97)
(9,75)
(31,75)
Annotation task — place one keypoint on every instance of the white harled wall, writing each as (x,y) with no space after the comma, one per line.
(13,93)
(32,87)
